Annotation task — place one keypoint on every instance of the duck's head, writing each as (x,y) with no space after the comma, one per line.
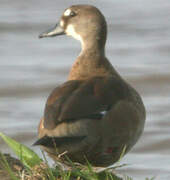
(84,23)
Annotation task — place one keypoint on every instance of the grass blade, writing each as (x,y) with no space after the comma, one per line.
(27,156)
(6,167)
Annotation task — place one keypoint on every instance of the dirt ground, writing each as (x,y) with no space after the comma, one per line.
(15,165)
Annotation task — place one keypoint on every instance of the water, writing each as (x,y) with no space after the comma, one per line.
(138,45)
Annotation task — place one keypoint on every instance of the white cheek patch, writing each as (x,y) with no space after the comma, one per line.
(61,23)
(67,12)
(71,32)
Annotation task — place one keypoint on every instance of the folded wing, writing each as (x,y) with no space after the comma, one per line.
(77,99)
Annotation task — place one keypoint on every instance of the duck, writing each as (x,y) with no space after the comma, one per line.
(95,115)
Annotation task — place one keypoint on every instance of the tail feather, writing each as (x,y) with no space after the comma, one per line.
(57,141)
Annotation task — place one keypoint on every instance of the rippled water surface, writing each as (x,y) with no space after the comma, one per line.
(138,45)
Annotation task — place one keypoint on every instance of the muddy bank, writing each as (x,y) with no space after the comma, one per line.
(15,165)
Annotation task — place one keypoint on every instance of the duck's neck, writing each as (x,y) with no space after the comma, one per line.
(91,61)
(93,45)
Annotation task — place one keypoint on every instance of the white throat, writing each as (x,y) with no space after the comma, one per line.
(70,31)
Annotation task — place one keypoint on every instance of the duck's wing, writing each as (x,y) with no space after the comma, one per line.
(84,99)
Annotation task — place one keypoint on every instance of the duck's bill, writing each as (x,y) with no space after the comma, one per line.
(55,31)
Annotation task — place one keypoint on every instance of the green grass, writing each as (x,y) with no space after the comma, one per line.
(35,168)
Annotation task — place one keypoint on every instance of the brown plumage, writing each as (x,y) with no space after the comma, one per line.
(95,114)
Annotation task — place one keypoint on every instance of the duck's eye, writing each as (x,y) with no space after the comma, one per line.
(72,13)
(68,12)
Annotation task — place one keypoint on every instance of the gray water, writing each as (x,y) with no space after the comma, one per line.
(138,46)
